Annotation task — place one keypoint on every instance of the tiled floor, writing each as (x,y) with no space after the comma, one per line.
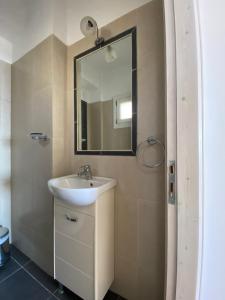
(21,279)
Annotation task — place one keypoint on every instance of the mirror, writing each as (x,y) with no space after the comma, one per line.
(105,97)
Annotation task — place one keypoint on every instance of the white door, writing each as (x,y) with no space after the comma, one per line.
(171,153)
(183,131)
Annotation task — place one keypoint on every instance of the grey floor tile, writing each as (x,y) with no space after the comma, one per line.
(41,276)
(18,255)
(52,297)
(68,295)
(111,296)
(28,284)
(21,286)
(10,267)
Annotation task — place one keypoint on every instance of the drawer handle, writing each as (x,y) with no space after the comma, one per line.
(71,219)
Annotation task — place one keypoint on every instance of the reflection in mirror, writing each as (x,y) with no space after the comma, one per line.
(106,99)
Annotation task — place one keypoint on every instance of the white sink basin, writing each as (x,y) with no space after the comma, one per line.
(79,191)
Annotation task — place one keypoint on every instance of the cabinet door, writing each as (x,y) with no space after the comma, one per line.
(75,225)
(74,279)
(77,254)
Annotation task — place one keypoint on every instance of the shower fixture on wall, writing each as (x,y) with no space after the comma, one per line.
(89,26)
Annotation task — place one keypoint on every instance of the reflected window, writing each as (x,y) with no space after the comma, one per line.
(125,110)
(122,112)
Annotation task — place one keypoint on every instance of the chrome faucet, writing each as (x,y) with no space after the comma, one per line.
(85,171)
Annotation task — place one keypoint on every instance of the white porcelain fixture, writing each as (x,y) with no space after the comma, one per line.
(78,191)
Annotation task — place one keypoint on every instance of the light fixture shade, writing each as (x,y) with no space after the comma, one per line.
(88,26)
(110,54)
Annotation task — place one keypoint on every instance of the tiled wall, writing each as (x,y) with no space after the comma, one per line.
(38,94)
(38,83)
(140,205)
(5,144)
(59,60)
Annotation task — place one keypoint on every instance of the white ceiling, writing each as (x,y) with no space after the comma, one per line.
(25,23)
(103,11)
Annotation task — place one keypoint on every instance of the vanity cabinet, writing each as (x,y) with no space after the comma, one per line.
(84,246)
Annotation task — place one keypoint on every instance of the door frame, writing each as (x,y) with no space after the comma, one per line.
(184,111)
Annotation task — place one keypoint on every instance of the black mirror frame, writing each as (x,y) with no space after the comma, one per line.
(131,152)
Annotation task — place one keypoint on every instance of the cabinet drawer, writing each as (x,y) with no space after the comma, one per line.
(74,279)
(88,210)
(81,228)
(78,255)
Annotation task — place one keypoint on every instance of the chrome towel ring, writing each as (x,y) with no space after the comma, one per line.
(150,141)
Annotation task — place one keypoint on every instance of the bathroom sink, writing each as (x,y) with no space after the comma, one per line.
(78,191)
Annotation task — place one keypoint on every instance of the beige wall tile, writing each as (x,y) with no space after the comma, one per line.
(149,20)
(58,157)
(5,158)
(58,112)
(42,65)
(22,237)
(140,192)
(150,185)
(5,81)
(59,63)
(5,145)
(150,286)
(22,160)
(38,100)
(121,24)
(151,215)
(150,101)
(41,111)
(32,211)
(5,203)
(5,119)
(127,228)
(59,161)
(126,278)
(151,240)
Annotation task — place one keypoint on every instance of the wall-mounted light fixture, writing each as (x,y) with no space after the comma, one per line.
(88,26)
